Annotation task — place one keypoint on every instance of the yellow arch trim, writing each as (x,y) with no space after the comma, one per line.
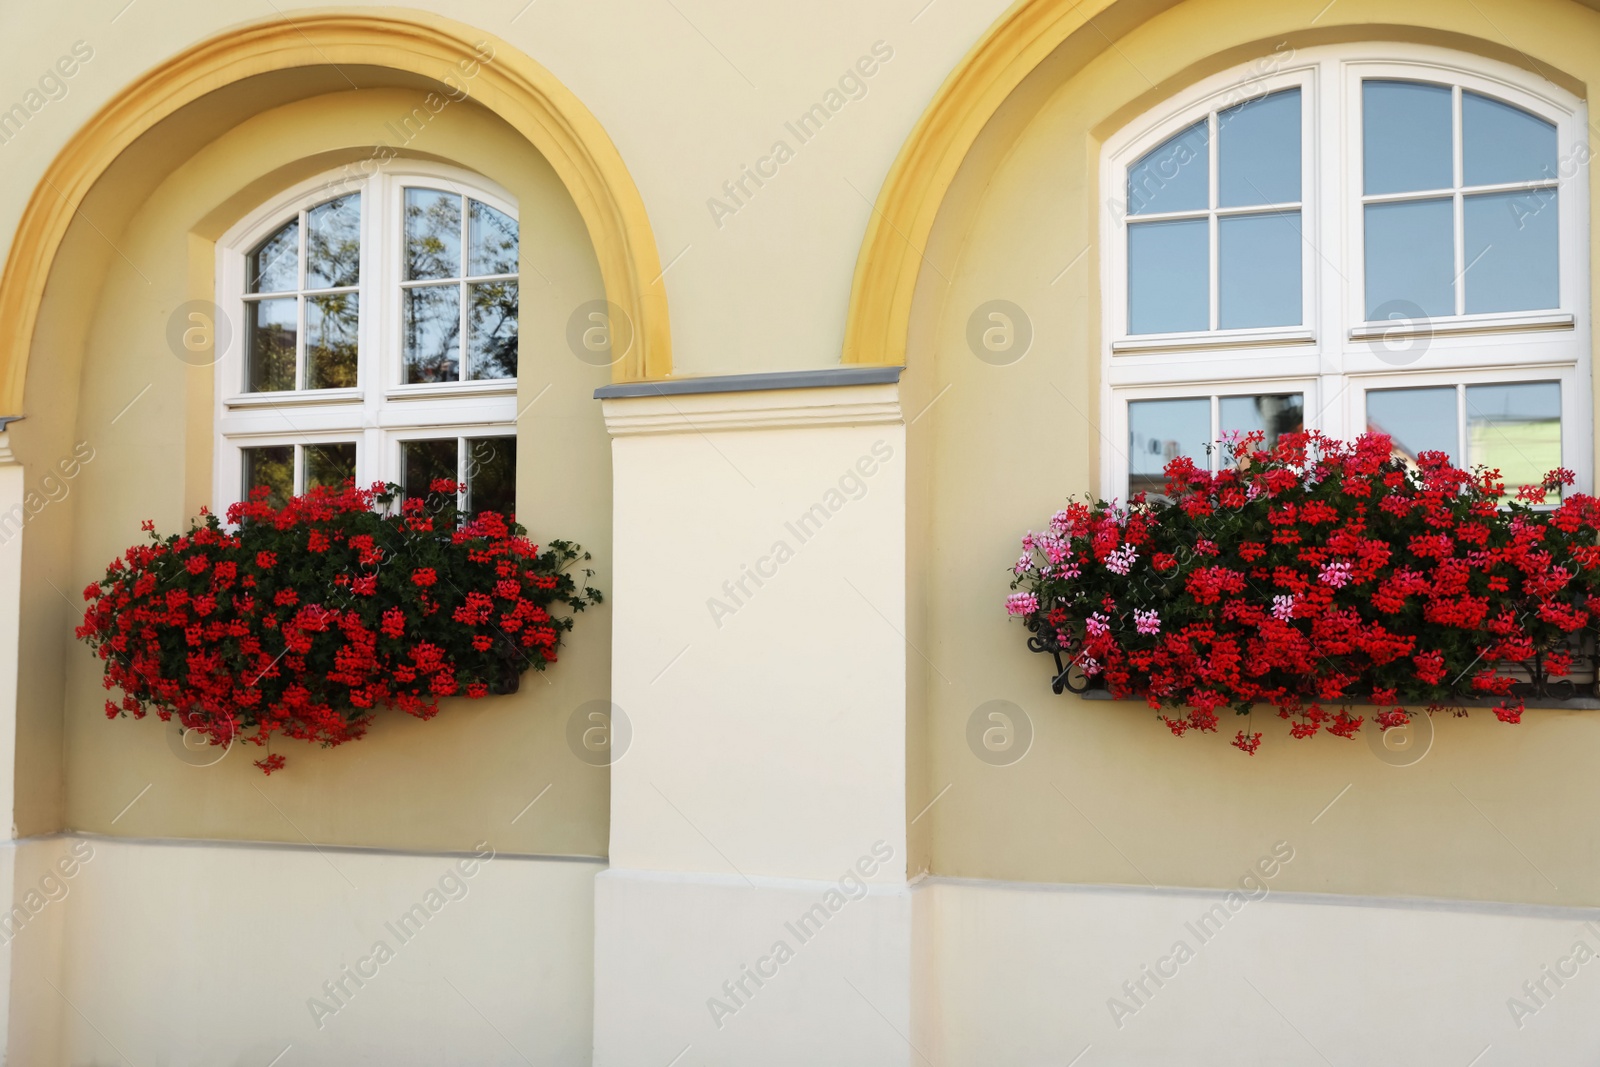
(512,85)
(897,234)
(896,239)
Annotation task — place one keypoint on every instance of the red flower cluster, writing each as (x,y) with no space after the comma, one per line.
(1314,576)
(306,619)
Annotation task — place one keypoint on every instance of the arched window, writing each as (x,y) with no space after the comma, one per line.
(1384,237)
(374,336)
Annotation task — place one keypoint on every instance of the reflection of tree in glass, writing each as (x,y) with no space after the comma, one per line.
(492,342)
(333,243)
(332,347)
(274,266)
(273,467)
(494,241)
(423,462)
(432,333)
(330,464)
(271,345)
(492,474)
(433,234)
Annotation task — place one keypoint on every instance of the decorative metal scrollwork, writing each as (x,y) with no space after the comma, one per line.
(1535,684)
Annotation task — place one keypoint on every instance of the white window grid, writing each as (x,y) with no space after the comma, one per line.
(381,410)
(1336,357)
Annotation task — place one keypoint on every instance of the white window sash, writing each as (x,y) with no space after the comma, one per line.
(1335,355)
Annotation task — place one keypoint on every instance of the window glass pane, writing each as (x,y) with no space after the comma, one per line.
(1501,143)
(333,243)
(1163,430)
(1410,256)
(1516,429)
(1169,276)
(1273,415)
(1406,140)
(1258,270)
(422,462)
(274,267)
(432,333)
(273,467)
(271,329)
(492,330)
(331,341)
(1511,251)
(1258,151)
(1173,176)
(433,234)
(330,464)
(493,236)
(492,474)
(1416,420)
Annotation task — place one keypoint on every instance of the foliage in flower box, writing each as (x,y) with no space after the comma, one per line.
(303,620)
(1311,577)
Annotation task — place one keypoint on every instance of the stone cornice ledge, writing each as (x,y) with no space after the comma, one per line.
(837,396)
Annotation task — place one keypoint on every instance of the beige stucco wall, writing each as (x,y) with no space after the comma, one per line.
(440,784)
(1000,448)
(1106,794)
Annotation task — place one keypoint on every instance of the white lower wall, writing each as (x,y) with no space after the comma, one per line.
(182,954)
(695,970)
(1025,974)
(207,954)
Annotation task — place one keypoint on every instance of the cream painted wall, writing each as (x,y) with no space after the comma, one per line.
(1027,975)
(408,784)
(690,93)
(1106,795)
(202,954)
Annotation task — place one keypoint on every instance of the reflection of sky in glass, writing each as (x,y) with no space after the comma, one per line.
(1416,420)
(1407,137)
(1169,276)
(1501,143)
(1411,255)
(1258,270)
(1160,431)
(1511,251)
(1173,176)
(1258,154)
(1515,428)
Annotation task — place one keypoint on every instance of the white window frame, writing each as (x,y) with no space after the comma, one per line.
(381,410)
(1344,355)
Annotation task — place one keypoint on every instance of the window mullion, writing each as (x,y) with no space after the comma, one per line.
(1458,167)
(1216,432)
(301,374)
(1212,226)
(466,255)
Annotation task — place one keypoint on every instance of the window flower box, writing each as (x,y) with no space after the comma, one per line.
(303,620)
(1315,577)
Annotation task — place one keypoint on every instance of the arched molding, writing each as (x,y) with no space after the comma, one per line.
(509,84)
